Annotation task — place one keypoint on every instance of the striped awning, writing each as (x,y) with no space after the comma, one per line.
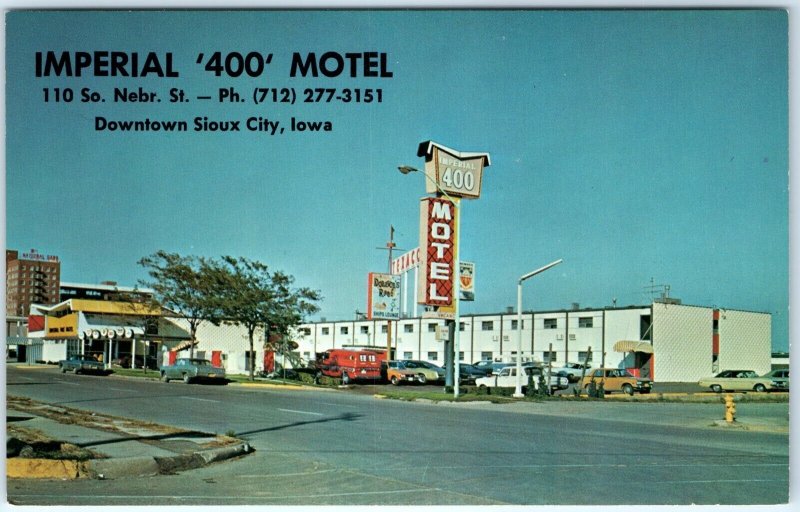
(633,346)
(183,345)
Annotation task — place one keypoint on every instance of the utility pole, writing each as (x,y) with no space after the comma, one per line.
(390,246)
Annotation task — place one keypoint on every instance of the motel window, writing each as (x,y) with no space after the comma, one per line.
(585,321)
(384,329)
(305,331)
(433,356)
(486,356)
(461,356)
(432,327)
(408,328)
(344,330)
(550,323)
(326,331)
(582,357)
(514,325)
(461,326)
(487,326)
(549,357)
(408,355)
(364,329)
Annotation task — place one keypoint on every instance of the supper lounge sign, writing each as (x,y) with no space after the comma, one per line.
(438,251)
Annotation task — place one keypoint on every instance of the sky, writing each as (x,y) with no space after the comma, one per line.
(642,147)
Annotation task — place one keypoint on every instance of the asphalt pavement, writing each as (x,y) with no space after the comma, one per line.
(345,448)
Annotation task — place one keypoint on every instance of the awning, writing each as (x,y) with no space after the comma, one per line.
(633,346)
(183,345)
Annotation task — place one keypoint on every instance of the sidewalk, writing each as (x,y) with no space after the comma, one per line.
(46,441)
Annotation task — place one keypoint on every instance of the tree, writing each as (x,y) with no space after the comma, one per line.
(185,286)
(252,296)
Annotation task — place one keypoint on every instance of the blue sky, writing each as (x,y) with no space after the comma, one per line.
(632,144)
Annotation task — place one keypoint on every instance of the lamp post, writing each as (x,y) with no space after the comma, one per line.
(405,169)
(518,391)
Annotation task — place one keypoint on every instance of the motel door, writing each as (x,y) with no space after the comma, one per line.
(644,364)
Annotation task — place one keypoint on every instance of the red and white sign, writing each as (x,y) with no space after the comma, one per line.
(438,246)
(406,262)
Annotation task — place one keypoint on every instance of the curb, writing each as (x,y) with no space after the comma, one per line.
(103,469)
(45,468)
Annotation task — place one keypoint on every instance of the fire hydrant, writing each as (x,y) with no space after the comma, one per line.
(730,409)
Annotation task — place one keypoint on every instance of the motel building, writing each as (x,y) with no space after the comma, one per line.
(665,341)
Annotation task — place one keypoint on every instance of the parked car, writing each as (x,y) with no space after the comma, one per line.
(82,364)
(736,380)
(507,378)
(429,371)
(779,378)
(557,382)
(491,366)
(396,372)
(572,371)
(616,379)
(469,373)
(190,370)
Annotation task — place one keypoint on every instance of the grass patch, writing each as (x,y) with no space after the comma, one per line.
(136,372)
(440,396)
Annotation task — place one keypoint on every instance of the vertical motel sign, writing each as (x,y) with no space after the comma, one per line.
(452,175)
(438,256)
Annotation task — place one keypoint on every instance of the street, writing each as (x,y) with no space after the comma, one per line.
(331,447)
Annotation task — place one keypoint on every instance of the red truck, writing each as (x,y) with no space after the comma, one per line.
(350,364)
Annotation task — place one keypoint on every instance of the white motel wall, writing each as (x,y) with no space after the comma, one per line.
(688,342)
(681,337)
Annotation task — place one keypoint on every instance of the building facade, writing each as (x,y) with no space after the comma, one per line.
(667,342)
(109,322)
(31,278)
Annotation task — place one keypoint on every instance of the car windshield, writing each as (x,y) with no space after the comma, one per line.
(201,362)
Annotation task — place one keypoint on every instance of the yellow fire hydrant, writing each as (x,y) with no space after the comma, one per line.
(730,409)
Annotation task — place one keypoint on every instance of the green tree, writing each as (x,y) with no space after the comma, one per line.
(253,297)
(185,286)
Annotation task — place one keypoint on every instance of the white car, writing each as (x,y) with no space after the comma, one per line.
(507,378)
(572,371)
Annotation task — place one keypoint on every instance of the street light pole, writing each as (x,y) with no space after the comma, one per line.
(518,391)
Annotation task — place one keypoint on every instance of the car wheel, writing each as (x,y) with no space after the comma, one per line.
(63,370)
(716,388)
(317,378)
(76,371)
(759,388)
(395,380)
(164,377)
(186,378)
(421,379)
(627,389)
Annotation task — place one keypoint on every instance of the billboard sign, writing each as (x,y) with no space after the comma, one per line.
(406,262)
(457,173)
(383,296)
(438,252)
(466,275)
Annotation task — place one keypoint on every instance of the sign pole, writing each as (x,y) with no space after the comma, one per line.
(389,245)
(456,298)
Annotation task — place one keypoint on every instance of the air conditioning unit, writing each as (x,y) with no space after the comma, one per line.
(571,337)
(505,337)
(560,337)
